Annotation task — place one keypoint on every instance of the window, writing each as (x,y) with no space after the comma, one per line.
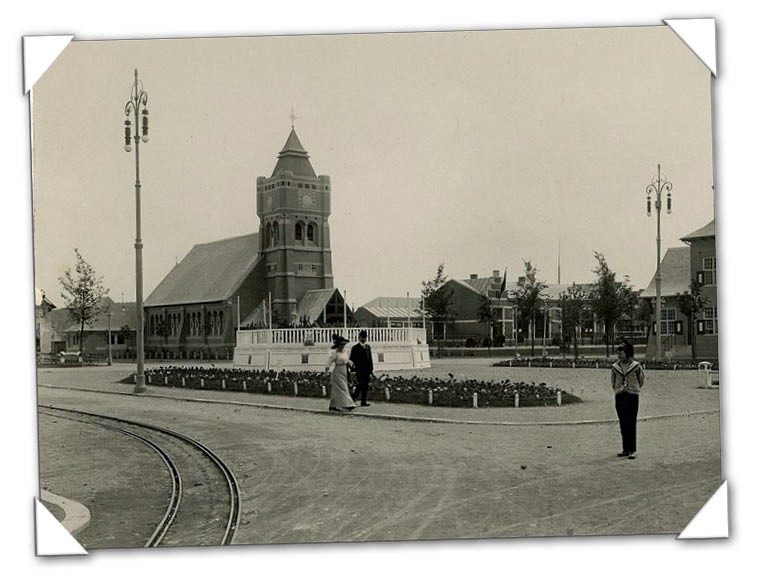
(314,268)
(275,233)
(709,324)
(269,235)
(311,233)
(669,323)
(299,232)
(300,267)
(707,276)
(300,185)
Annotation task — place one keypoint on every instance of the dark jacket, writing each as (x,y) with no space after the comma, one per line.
(360,354)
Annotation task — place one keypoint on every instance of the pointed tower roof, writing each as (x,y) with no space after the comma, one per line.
(294,157)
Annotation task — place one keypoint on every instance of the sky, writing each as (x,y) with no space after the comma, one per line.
(473,149)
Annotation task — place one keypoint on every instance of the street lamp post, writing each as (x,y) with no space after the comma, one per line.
(110,358)
(657,187)
(137,99)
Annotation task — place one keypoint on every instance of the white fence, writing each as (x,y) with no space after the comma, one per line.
(323,336)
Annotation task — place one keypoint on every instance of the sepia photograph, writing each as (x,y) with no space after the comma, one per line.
(376,287)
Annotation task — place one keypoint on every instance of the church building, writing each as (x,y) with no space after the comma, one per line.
(280,276)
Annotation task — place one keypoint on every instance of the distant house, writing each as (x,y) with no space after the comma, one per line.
(391,312)
(679,267)
(467,299)
(45,331)
(118,321)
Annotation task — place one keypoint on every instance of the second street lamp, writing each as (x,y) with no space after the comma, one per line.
(137,100)
(657,187)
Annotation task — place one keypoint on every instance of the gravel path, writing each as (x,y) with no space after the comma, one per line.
(319,477)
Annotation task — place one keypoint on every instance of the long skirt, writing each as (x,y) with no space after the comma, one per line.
(340,394)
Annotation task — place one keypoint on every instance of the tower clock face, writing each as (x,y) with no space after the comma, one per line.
(307,201)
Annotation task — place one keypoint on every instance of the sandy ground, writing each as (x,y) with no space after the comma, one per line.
(318,478)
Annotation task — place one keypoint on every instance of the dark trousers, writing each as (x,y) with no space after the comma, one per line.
(361,388)
(627,405)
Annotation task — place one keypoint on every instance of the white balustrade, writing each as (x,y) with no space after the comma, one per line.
(323,336)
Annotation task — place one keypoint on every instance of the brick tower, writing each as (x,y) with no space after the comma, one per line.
(294,205)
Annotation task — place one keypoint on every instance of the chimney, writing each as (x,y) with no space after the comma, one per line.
(474,276)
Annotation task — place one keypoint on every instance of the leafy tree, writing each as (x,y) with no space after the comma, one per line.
(83,294)
(163,330)
(529,297)
(611,300)
(573,303)
(487,315)
(438,301)
(691,303)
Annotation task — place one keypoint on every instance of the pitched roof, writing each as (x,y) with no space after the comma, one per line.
(312,303)
(707,231)
(393,307)
(294,157)
(122,313)
(211,272)
(675,273)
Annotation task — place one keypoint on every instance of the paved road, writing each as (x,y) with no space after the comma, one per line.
(317,477)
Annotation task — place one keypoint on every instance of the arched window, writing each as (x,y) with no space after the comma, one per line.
(312,232)
(269,239)
(276,233)
(299,232)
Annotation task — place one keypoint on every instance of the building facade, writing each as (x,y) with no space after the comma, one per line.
(680,267)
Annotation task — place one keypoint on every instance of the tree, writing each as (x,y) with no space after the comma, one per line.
(487,315)
(572,303)
(529,297)
(163,330)
(611,300)
(691,303)
(83,294)
(438,302)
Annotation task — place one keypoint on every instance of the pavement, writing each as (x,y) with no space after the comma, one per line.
(394,471)
(666,394)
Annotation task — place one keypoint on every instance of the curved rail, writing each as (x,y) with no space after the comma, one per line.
(235,508)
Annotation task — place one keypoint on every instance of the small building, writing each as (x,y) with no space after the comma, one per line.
(118,322)
(675,279)
(391,312)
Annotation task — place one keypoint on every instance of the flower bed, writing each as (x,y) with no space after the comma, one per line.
(592,363)
(412,390)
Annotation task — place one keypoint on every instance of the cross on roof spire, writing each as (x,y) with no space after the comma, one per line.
(292,117)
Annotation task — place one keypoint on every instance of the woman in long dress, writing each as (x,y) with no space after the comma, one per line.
(338,365)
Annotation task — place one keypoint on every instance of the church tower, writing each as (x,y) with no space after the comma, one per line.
(294,205)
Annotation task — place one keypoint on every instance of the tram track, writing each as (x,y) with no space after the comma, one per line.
(192,513)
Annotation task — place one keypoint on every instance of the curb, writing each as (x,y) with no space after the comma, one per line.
(77,516)
(385,416)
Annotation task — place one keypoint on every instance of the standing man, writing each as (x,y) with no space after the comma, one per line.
(361,357)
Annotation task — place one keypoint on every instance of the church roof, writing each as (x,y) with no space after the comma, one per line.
(675,273)
(293,157)
(211,272)
(707,231)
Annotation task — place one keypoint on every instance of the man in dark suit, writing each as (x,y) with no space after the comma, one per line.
(361,357)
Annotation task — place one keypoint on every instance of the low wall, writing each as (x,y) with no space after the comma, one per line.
(400,350)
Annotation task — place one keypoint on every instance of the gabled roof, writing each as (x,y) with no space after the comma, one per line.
(294,157)
(707,231)
(211,272)
(393,307)
(312,303)
(675,273)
